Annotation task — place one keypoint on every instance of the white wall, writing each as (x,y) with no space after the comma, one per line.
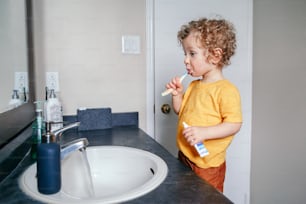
(81,40)
(278,173)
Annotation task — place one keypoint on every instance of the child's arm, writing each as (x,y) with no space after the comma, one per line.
(177,93)
(196,134)
(176,102)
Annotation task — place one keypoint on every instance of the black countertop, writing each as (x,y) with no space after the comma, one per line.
(180,186)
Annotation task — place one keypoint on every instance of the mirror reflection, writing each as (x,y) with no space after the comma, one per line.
(13,55)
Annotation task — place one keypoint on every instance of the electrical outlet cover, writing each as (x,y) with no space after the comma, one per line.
(52,81)
(21,81)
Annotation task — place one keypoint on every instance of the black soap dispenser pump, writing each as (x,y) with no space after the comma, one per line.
(48,164)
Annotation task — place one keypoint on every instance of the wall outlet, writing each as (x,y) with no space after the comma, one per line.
(52,81)
(21,81)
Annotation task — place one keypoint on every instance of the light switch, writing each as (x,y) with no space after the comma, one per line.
(131,44)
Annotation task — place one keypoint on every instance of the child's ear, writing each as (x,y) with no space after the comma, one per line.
(216,56)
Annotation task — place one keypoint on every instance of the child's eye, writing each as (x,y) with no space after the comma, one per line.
(192,53)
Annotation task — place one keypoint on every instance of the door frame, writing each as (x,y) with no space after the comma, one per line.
(150,102)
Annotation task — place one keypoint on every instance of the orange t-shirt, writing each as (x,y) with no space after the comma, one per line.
(208,105)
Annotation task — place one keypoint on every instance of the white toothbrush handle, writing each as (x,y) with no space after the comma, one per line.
(168,91)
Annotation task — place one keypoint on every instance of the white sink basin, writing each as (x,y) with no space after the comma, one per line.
(118,174)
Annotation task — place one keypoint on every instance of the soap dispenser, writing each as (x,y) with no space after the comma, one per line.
(15,100)
(54,111)
(48,163)
(38,128)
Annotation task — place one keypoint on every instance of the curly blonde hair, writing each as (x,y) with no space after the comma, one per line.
(213,33)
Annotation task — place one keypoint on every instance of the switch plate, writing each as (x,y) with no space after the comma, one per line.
(52,81)
(21,81)
(130,44)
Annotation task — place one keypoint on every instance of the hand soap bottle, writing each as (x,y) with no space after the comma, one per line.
(15,100)
(38,129)
(48,164)
(54,111)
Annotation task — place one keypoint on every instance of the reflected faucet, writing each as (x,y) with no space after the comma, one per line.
(70,147)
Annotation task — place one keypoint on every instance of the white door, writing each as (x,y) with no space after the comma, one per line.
(169,15)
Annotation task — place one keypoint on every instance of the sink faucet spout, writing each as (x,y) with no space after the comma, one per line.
(70,147)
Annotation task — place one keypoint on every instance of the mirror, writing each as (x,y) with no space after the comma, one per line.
(16,61)
(13,55)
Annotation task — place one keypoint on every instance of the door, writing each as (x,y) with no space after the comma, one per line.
(169,15)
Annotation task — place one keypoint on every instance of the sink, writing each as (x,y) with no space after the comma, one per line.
(115,174)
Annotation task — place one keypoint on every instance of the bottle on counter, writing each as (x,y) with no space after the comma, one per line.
(38,129)
(53,111)
(48,163)
(15,100)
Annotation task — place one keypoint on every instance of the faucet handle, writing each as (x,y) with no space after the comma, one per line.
(58,133)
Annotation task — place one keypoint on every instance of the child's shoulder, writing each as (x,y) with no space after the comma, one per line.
(225,83)
(226,87)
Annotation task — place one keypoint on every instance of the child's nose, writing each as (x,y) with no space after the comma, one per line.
(186,60)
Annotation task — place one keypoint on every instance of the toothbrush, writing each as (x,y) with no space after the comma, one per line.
(168,91)
(201,149)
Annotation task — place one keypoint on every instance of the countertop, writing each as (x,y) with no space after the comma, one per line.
(180,186)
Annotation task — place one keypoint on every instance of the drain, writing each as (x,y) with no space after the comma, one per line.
(152,171)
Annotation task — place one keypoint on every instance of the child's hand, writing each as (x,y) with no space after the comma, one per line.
(196,134)
(193,134)
(176,85)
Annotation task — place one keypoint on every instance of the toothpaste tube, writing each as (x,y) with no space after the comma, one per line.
(200,147)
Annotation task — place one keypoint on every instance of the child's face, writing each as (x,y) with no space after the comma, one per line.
(195,56)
